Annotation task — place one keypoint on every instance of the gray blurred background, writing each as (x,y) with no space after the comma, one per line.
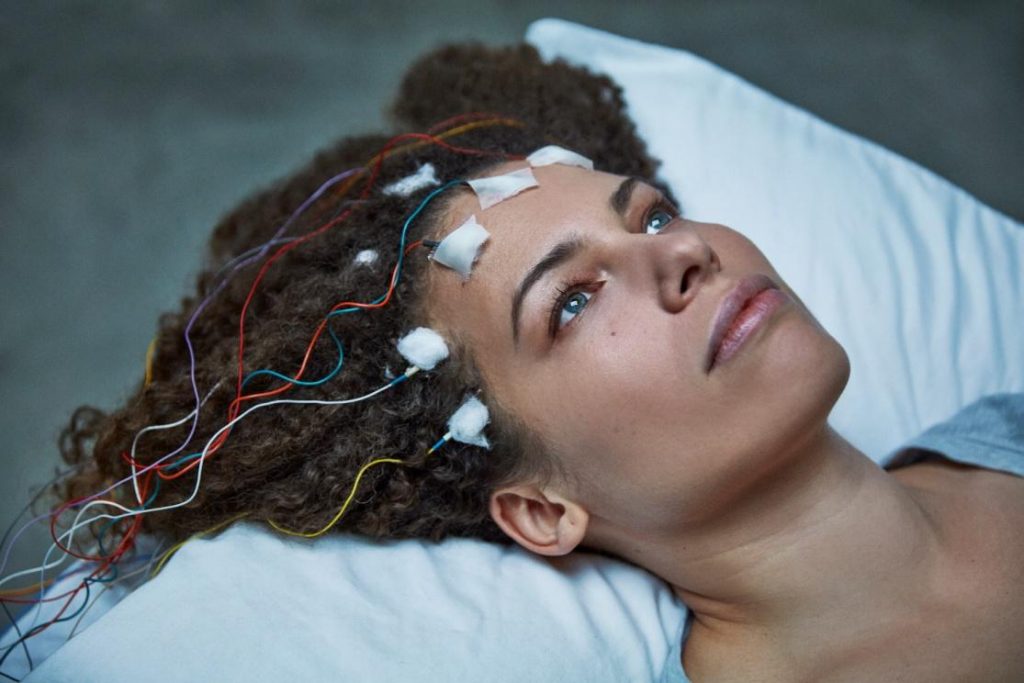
(127,129)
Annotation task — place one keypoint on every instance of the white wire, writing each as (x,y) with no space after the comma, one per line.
(67,537)
(153,428)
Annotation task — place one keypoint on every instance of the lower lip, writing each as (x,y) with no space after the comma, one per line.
(753,316)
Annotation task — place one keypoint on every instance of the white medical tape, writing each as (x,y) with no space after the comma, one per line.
(460,248)
(425,176)
(553,154)
(498,188)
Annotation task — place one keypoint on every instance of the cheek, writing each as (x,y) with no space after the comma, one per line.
(621,387)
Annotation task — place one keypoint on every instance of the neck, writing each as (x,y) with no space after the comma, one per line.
(830,549)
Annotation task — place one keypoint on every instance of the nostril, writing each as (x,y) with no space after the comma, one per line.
(688,276)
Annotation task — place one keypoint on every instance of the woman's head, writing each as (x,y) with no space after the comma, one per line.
(604,355)
(295,464)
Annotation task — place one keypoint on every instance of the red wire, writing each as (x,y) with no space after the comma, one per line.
(234,406)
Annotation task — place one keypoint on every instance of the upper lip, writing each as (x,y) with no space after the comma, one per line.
(733,302)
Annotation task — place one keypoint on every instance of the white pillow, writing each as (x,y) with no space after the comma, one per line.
(252,606)
(917,280)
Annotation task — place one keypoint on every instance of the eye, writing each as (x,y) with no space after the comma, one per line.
(657,219)
(572,306)
(569,303)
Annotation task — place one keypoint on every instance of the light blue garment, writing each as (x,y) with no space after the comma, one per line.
(988,433)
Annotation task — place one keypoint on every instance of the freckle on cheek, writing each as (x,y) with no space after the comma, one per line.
(613,333)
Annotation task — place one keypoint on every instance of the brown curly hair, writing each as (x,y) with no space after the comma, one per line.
(294,465)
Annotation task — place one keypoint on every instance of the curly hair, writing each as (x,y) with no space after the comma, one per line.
(294,465)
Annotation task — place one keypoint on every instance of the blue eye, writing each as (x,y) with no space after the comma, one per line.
(656,220)
(572,306)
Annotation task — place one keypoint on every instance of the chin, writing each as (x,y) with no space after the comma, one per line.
(796,377)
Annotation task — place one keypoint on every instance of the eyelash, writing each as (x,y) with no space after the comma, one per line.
(567,288)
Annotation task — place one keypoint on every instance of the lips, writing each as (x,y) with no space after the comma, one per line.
(731,305)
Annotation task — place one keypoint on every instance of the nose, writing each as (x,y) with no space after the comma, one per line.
(683,261)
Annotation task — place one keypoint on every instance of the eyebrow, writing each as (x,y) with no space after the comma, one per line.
(566,250)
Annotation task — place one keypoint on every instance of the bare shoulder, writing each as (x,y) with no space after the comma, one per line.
(959,480)
(981,515)
(973,502)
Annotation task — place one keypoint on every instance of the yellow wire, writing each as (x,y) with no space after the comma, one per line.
(149,361)
(25,590)
(344,506)
(176,547)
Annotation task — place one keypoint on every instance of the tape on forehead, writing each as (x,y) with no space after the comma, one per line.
(553,154)
(461,247)
(490,191)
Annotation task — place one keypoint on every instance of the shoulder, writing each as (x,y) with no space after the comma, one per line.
(980,513)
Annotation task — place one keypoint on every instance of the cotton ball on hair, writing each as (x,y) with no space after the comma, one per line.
(425,176)
(423,347)
(367,257)
(467,423)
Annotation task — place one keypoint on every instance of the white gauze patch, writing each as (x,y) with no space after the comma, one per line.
(423,348)
(498,188)
(553,154)
(461,247)
(467,423)
(425,176)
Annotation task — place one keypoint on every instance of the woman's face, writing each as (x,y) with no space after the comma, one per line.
(605,355)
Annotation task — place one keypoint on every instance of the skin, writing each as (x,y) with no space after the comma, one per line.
(793,549)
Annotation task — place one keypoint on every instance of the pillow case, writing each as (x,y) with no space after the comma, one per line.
(916,279)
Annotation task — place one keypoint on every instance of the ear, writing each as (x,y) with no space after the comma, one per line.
(539,520)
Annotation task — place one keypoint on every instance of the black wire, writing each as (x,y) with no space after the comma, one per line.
(21,638)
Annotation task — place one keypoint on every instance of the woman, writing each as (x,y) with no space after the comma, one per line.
(626,418)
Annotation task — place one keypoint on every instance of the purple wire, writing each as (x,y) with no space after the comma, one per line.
(191,352)
(262,252)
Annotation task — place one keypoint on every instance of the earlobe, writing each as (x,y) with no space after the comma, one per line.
(540,521)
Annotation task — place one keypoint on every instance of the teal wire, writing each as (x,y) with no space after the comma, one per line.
(307,383)
(341,351)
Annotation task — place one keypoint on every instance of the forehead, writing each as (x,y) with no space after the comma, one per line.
(522,229)
(559,187)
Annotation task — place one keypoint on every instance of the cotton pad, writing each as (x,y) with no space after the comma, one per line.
(467,423)
(423,347)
